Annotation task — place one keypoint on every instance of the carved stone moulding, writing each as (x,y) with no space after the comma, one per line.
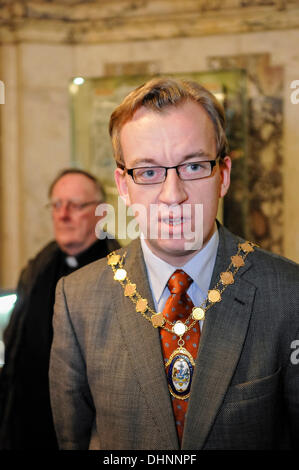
(71,21)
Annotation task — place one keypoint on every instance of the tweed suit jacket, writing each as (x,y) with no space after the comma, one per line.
(108,382)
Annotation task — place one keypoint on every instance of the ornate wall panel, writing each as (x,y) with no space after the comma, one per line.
(264,164)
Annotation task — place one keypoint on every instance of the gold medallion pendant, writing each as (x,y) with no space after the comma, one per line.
(181,365)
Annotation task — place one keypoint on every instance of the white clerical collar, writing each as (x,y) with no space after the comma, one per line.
(200,267)
(71,261)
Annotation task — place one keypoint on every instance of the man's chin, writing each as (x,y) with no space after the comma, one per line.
(174,249)
(70,247)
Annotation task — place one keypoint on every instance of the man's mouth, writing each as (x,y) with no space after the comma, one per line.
(173,221)
(66,228)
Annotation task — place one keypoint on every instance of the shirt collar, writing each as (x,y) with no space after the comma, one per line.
(200,267)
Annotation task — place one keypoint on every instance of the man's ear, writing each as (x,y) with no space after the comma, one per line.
(122,187)
(225,168)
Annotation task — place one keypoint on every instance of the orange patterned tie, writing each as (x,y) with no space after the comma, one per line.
(178,307)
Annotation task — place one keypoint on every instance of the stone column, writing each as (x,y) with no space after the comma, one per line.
(11,167)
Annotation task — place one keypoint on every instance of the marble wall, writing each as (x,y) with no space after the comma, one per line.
(41,50)
(264,157)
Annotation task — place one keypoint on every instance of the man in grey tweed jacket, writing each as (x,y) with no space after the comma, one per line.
(109,389)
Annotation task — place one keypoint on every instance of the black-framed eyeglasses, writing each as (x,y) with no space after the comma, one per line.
(186,171)
(73,206)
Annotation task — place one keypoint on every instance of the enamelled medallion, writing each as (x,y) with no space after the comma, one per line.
(180,372)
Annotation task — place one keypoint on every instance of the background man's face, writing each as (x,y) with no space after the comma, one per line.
(74,230)
(179,135)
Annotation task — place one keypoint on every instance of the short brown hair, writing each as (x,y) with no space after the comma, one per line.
(159,94)
(77,171)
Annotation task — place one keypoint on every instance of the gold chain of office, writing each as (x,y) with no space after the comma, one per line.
(198,312)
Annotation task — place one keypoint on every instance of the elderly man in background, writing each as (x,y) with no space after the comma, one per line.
(25,412)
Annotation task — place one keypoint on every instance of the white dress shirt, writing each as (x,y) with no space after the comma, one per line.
(199,268)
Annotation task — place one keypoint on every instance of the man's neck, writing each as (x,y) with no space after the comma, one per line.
(77,249)
(181,258)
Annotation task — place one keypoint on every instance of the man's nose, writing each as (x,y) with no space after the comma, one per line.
(173,190)
(63,211)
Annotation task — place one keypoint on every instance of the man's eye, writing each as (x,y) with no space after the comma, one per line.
(194,167)
(74,205)
(150,173)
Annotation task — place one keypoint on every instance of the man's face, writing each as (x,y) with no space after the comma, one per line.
(179,135)
(74,228)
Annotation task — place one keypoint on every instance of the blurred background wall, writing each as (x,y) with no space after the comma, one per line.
(44,44)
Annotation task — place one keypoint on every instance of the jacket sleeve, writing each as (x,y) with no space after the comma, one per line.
(71,401)
(26,282)
(291,390)
(22,290)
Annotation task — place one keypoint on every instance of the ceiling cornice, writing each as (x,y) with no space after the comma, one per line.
(106,21)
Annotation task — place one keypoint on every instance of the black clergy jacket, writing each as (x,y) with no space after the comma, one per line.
(25,413)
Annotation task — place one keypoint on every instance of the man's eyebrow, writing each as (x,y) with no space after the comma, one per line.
(144,162)
(200,154)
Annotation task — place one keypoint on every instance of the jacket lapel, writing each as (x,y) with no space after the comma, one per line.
(142,341)
(221,344)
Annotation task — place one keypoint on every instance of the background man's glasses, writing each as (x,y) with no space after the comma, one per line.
(72,206)
(186,172)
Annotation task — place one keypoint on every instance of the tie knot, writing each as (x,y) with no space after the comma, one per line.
(179,282)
